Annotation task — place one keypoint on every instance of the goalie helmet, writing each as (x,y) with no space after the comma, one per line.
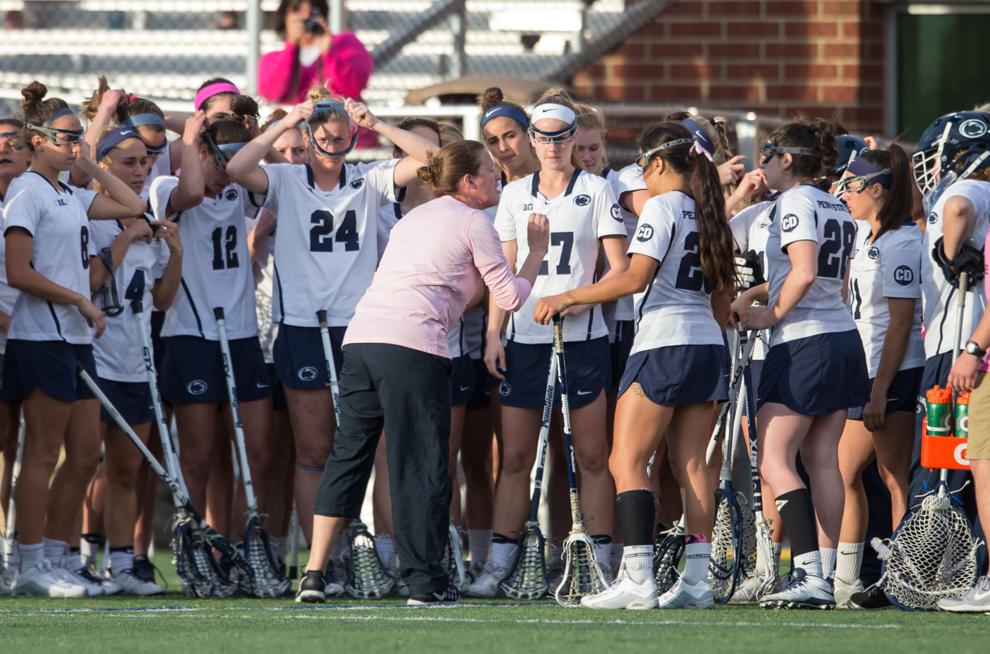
(847,148)
(952,148)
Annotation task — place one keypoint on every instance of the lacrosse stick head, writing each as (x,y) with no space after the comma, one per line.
(453,556)
(582,574)
(765,565)
(528,579)
(733,554)
(931,556)
(192,556)
(366,576)
(263,578)
(667,553)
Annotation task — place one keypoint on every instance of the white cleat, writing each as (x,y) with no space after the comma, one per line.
(843,592)
(977,600)
(625,594)
(42,581)
(749,591)
(687,596)
(802,591)
(131,585)
(486,585)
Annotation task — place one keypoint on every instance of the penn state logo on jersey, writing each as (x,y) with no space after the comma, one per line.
(357,184)
(644,233)
(504,389)
(197,387)
(582,200)
(789,222)
(874,253)
(903,275)
(307,373)
(231,194)
(973,128)
(616,212)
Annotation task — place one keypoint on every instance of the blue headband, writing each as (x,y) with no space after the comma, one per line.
(508,111)
(702,141)
(112,139)
(145,119)
(64,111)
(860,167)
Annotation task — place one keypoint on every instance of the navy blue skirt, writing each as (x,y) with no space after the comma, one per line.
(680,374)
(902,394)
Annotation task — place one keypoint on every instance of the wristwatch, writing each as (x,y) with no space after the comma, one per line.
(972,347)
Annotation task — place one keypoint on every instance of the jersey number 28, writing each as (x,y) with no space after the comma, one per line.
(836,248)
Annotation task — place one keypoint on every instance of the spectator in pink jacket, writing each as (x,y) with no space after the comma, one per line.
(313,56)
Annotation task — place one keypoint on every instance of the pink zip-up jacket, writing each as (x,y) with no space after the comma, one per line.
(437,257)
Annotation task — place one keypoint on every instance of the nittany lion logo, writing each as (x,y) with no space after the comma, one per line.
(972,128)
(903,275)
(873,253)
(307,373)
(644,233)
(582,200)
(197,387)
(504,389)
(789,222)
(231,194)
(357,183)
(616,213)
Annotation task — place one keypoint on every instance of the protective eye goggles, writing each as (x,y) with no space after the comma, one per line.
(322,113)
(13,140)
(59,137)
(859,183)
(643,160)
(156,150)
(547,138)
(771,150)
(221,153)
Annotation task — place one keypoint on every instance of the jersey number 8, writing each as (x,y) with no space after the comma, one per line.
(322,237)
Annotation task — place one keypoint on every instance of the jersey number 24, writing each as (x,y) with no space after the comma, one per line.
(322,236)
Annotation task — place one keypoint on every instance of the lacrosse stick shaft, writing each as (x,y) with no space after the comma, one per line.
(294,543)
(565,413)
(321,315)
(723,414)
(541,452)
(15,472)
(943,474)
(235,412)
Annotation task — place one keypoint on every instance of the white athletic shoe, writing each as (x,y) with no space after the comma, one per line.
(748,592)
(43,581)
(803,591)
(95,586)
(843,592)
(977,600)
(486,585)
(687,596)
(625,594)
(131,585)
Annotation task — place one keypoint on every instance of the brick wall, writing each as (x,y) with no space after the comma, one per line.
(819,57)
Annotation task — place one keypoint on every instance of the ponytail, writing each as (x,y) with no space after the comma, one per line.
(896,208)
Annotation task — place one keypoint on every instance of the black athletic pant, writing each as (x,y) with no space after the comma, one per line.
(408,393)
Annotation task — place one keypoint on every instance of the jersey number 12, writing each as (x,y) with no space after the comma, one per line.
(225,248)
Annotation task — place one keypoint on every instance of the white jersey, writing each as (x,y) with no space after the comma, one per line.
(750,229)
(264,283)
(327,248)
(118,351)
(807,213)
(626,180)
(56,217)
(939,299)
(584,213)
(8,294)
(887,268)
(676,308)
(216,268)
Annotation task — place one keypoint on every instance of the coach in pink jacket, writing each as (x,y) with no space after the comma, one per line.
(396,369)
(313,56)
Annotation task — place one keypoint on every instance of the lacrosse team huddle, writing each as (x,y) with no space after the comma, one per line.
(706,361)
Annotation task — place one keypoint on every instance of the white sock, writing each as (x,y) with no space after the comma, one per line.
(31,555)
(696,568)
(504,553)
(849,563)
(638,560)
(810,562)
(828,561)
(480,544)
(386,551)
(55,551)
(121,559)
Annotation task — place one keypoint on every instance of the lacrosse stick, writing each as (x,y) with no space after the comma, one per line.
(723,414)
(11,526)
(366,576)
(264,579)
(730,558)
(667,553)
(932,555)
(528,579)
(454,556)
(294,543)
(582,574)
(193,540)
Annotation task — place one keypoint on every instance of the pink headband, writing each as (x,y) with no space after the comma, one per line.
(208,92)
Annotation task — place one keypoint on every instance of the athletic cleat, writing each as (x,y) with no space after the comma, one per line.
(131,584)
(108,586)
(683,595)
(312,588)
(143,569)
(977,600)
(844,592)
(43,581)
(748,591)
(448,597)
(871,599)
(486,585)
(334,584)
(803,591)
(92,585)
(625,594)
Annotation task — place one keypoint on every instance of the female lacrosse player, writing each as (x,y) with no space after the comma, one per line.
(587,220)
(51,333)
(397,366)
(884,295)
(325,255)
(216,273)
(813,343)
(681,272)
(504,126)
(147,265)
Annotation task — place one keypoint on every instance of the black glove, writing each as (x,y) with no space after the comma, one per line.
(968,260)
(749,270)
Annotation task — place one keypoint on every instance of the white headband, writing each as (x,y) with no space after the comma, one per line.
(550,110)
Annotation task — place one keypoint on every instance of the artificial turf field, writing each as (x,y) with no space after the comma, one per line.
(175,624)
